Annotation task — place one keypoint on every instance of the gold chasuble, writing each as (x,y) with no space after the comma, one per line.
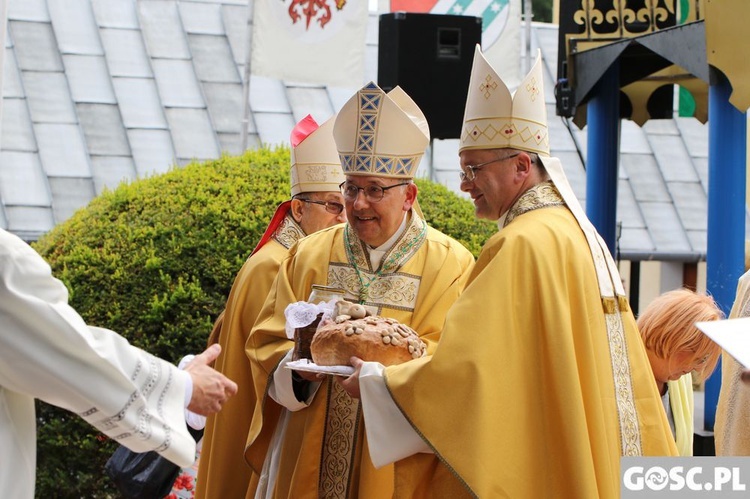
(324,451)
(540,381)
(223,474)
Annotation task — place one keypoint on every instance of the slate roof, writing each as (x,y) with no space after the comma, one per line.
(108,90)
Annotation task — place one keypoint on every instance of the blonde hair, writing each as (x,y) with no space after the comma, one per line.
(667,326)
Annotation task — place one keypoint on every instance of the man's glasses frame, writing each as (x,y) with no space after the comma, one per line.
(331,206)
(373,192)
(469,172)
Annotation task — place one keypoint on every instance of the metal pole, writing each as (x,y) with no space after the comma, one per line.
(727,155)
(603,153)
(246,115)
(3,35)
(528,15)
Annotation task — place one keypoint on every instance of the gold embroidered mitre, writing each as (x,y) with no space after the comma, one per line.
(494,119)
(315,160)
(381,134)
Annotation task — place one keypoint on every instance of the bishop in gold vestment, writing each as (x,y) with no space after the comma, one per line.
(386,258)
(315,178)
(540,382)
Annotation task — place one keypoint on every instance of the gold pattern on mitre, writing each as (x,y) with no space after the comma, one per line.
(493,119)
(315,162)
(379,134)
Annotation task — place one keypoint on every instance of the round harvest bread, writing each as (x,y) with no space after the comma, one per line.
(373,338)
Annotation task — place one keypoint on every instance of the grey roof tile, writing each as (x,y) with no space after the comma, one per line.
(559,136)
(339,96)
(192,134)
(11,78)
(17,131)
(28,10)
(698,239)
(371,63)
(274,128)
(49,97)
(230,2)
(35,45)
(153,151)
(268,95)
(177,84)
(139,103)
(126,53)
(89,79)
(69,194)
(235,25)
(645,177)
(22,180)
(690,201)
(576,174)
(75,27)
(224,105)
(29,222)
(661,127)
(701,168)
(673,158)
(665,227)
(62,150)
(212,58)
(636,240)
(162,29)
(445,156)
(230,143)
(201,17)
(633,139)
(309,100)
(694,135)
(627,207)
(115,14)
(103,129)
(373,29)
(110,171)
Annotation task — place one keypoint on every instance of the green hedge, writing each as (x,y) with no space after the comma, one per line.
(154,260)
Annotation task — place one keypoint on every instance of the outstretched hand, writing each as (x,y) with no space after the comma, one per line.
(351,384)
(210,388)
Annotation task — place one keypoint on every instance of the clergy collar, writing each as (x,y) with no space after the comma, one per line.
(392,240)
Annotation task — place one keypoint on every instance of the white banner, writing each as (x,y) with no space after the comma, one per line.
(314,41)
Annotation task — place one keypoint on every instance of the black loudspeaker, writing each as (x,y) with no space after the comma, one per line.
(430,57)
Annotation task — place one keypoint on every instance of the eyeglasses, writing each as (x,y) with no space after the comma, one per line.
(331,207)
(469,172)
(373,192)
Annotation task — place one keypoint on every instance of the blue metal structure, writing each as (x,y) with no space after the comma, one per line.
(727,154)
(603,152)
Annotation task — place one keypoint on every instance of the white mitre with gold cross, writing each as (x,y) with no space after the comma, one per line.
(314,157)
(379,134)
(493,119)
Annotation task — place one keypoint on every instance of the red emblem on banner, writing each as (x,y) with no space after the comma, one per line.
(317,10)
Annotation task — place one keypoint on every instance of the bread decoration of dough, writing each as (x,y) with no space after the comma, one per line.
(355,333)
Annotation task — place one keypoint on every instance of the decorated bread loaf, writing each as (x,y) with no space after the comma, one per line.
(354,333)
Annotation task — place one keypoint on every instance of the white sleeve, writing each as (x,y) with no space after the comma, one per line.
(48,352)
(389,435)
(281,389)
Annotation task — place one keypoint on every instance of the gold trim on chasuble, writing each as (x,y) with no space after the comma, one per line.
(385,287)
(339,444)
(289,232)
(545,195)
